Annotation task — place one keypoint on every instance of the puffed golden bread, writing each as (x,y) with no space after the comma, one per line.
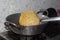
(29,18)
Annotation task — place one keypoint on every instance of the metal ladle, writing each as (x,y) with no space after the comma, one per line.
(43,20)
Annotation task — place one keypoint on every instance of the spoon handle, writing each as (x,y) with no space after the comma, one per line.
(51,19)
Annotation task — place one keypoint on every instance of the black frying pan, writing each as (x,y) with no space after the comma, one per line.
(12,21)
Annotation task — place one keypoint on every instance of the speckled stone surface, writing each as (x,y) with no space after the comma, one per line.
(8,7)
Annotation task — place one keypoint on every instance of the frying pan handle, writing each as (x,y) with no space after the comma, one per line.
(13,27)
(10,25)
(41,11)
(7,25)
